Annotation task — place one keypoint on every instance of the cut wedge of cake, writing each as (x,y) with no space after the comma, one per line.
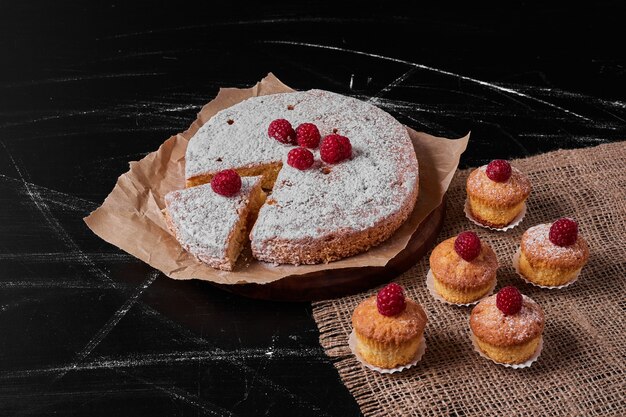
(211,227)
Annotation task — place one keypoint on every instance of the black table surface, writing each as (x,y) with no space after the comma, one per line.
(86,329)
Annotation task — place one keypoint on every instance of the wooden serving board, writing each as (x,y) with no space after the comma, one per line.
(332,283)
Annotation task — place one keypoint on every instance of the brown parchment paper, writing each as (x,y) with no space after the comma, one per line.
(131,219)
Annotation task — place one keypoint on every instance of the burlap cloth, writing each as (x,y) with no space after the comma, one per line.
(581,370)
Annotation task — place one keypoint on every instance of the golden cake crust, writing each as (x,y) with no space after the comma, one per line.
(336,245)
(539,251)
(455,272)
(492,326)
(368,322)
(499,217)
(498,194)
(510,354)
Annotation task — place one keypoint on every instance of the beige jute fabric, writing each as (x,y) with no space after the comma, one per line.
(582,368)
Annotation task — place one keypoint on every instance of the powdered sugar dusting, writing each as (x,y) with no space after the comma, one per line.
(511,191)
(204,219)
(488,322)
(236,137)
(351,195)
(536,244)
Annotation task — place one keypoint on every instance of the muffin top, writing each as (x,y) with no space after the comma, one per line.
(397,329)
(455,272)
(537,247)
(499,194)
(494,327)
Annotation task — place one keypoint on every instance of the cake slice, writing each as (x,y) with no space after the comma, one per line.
(211,227)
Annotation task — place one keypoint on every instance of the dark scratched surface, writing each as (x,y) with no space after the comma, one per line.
(87,330)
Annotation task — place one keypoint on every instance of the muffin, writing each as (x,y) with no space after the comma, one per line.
(496,193)
(463,268)
(507,327)
(552,255)
(389,328)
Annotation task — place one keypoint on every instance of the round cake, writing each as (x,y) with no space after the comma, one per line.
(327,212)
(544,262)
(511,336)
(459,277)
(389,328)
(496,203)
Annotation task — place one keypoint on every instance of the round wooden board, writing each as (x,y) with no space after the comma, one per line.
(332,283)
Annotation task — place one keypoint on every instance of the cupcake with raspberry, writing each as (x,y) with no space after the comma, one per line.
(389,328)
(508,327)
(463,269)
(496,194)
(552,255)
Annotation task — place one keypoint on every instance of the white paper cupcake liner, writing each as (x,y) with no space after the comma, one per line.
(509,365)
(430,284)
(517,220)
(557,287)
(421,349)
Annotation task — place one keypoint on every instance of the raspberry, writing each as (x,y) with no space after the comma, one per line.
(563,232)
(467,245)
(281,130)
(335,148)
(347,147)
(499,170)
(226,183)
(390,300)
(300,158)
(308,135)
(509,300)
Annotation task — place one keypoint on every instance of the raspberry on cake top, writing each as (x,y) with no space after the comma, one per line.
(388,327)
(537,245)
(499,193)
(496,193)
(553,254)
(464,268)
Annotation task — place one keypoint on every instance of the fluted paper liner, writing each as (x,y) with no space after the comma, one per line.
(517,220)
(131,219)
(515,262)
(522,365)
(421,349)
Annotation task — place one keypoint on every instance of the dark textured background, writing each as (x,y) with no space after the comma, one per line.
(88,330)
